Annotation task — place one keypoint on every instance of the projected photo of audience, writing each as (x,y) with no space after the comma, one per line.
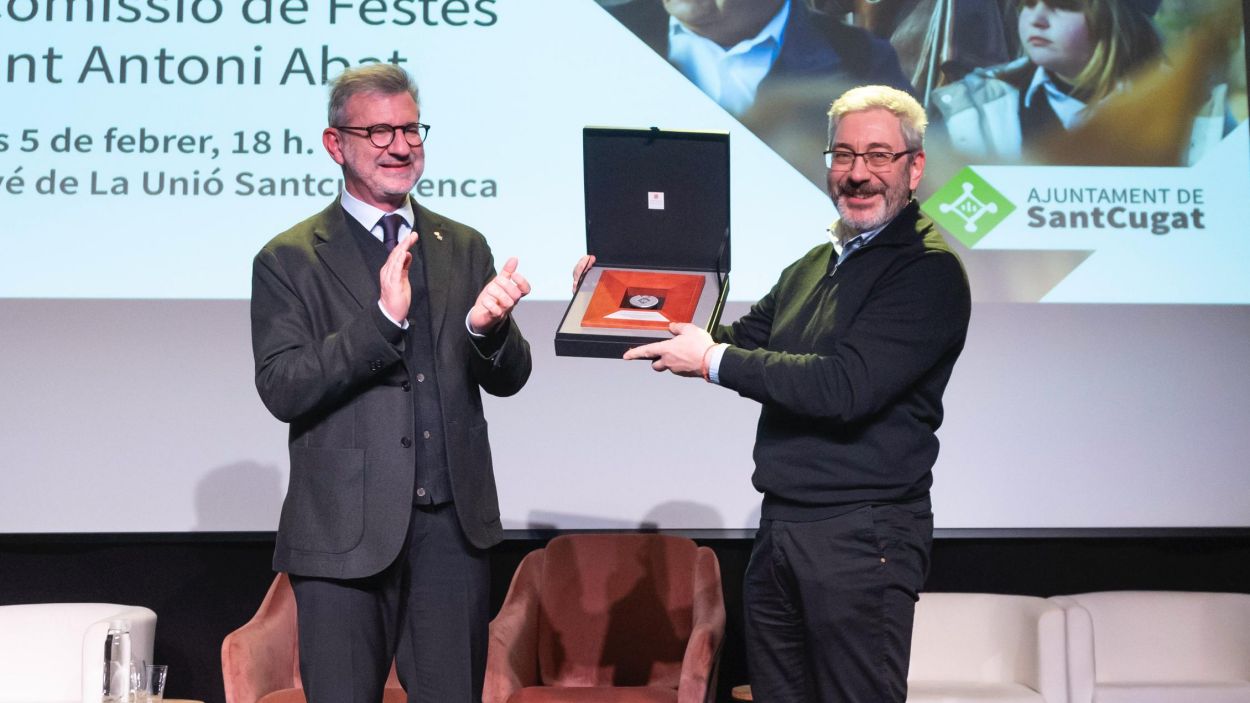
(776,64)
(1074,54)
(937,41)
(736,51)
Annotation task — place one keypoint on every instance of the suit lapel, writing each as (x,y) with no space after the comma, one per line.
(436,248)
(342,256)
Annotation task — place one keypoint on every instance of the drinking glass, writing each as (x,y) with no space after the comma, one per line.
(150,682)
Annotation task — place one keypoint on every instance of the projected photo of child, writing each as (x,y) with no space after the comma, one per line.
(1074,54)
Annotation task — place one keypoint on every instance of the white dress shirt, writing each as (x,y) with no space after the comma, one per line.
(1068,109)
(730,76)
(370,218)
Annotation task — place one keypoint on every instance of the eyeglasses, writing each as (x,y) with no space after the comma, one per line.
(875,160)
(381,135)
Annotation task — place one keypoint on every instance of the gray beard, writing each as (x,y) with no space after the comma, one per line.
(845,230)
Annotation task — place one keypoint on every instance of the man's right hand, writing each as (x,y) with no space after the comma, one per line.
(393,280)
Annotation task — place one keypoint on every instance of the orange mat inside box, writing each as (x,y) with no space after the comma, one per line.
(676,295)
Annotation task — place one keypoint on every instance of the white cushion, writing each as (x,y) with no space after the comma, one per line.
(987,647)
(1169,636)
(1148,646)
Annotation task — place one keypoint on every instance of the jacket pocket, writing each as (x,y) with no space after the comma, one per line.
(324,506)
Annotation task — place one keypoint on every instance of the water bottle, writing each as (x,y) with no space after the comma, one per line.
(117,662)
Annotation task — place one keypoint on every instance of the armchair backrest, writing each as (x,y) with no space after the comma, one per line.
(55,651)
(261,658)
(985,637)
(615,610)
(1162,636)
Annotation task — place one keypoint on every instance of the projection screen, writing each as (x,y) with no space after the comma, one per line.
(149,148)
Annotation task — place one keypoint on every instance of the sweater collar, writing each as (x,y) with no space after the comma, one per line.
(899,231)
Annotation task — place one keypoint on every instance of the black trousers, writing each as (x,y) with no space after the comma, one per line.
(830,604)
(428,611)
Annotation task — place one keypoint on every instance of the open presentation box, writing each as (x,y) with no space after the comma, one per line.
(657,222)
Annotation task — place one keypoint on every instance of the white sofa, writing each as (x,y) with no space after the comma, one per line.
(54,652)
(1158,647)
(987,648)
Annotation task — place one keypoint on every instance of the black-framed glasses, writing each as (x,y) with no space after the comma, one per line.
(381,135)
(876,160)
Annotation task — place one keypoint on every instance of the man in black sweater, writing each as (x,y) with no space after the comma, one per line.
(849,355)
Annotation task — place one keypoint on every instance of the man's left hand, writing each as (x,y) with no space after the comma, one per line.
(498,298)
(683,354)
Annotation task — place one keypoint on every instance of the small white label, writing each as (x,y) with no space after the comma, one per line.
(655,201)
(640,315)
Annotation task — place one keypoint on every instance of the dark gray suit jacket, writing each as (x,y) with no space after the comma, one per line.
(324,364)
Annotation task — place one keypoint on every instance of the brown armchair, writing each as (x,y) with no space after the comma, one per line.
(260,661)
(598,618)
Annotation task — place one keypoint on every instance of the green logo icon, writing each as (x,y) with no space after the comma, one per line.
(968,207)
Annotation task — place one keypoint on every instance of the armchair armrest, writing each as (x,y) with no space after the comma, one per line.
(699,663)
(1052,655)
(260,657)
(512,659)
(1078,649)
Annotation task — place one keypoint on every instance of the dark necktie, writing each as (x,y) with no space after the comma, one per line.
(1038,120)
(390,230)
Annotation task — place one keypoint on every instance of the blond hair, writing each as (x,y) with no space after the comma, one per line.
(1124,40)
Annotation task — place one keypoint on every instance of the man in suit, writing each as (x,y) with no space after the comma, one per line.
(739,52)
(849,355)
(375,358)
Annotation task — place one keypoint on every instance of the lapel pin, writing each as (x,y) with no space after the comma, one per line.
(438,236)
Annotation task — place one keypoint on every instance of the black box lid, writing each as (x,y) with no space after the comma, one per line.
(625,168)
